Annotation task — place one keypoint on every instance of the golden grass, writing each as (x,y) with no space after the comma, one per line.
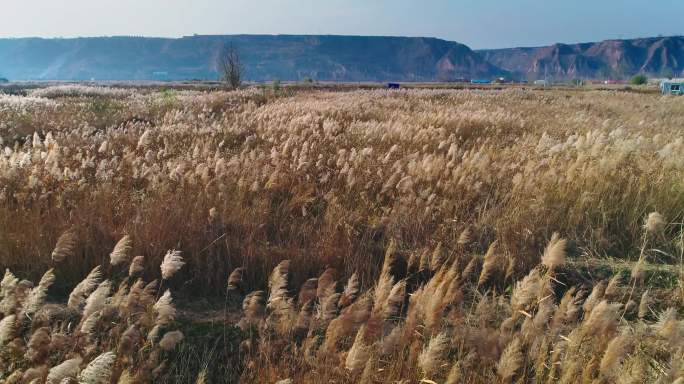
(434,235)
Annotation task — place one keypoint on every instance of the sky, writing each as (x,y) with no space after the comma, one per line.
(477,23)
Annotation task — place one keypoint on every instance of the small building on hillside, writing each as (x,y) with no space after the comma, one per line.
(393,85)
(672,88)
(541,83)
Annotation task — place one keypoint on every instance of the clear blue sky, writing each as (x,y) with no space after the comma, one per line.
(477,23)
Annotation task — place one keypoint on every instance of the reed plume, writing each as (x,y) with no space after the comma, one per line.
(129,340)
(654,223)
(278,292)
(644,305)
(438,257)
(554,254)
(80,293)
(37,295)
(465,237)
(97,300)
(166,312)
(395,300)
(594,297)
(121,252)
(98,371)
(615,352)
(308,291)
(358,355)
(137,266)
(66,244)
(7,325)
(172,263)
(455,374)
(431,358)
(66,370)
(38,346)
(170,340)
(510,361)
(326,284)
(490,265)
(236,279)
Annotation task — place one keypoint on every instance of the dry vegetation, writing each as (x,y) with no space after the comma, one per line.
(370,236)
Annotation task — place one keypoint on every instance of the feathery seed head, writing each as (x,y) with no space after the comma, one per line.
(65,246)
(121,252)
(173,262)
(655,223)
(431,358)
(170,340)
(137,266)
(554,254)
(68,369)
(98,371)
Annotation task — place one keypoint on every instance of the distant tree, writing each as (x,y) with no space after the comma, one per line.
(230,66)
(639,79)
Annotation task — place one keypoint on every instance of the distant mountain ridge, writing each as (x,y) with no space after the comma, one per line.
(266,57)
(609,59)
(332,58)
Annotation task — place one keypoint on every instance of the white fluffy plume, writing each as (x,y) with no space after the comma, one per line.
(7,328)
(97,300)
(99,371)
(165,309)
(65,370)
(173,262)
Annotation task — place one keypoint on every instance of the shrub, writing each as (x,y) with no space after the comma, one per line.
(639,79)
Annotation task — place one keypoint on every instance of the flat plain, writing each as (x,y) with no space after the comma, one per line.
(341,235)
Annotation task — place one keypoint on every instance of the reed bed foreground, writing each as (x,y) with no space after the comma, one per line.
(371,236)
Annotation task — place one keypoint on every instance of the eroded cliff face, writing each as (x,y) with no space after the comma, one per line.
(266,57)
(610,59)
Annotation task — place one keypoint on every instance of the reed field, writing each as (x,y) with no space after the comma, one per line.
(288,235)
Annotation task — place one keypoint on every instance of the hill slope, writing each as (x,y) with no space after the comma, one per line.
(617,59)
(266,57)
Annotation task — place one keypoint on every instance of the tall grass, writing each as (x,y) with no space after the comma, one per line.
(443,226)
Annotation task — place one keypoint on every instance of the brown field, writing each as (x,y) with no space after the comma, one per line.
(338,235)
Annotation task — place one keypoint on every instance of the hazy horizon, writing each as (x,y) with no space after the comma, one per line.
(333,34)
(478,24)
